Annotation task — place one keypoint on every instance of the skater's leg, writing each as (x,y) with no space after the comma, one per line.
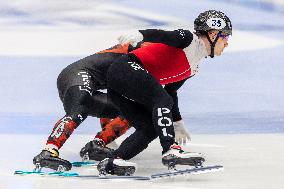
(127,79)
(78,104)
(133,83)
(99,106)
(104,121)
(113,130)
(76,112)
(143,122)
(138,116)
(132,145)
(97,149)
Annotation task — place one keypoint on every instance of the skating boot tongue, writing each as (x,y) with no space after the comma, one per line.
(52,152)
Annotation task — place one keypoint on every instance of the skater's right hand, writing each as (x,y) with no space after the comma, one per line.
(182,136)
(133,38)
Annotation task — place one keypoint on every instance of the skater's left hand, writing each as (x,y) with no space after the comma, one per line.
(133,38)
(182,136)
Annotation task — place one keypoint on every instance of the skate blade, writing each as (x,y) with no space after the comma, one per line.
(84,164)
(186,172)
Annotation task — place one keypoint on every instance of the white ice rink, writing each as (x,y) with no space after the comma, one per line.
(249,160)
(234,108)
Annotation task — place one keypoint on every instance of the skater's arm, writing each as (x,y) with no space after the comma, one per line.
(172,91)
(178,38)
(182,135)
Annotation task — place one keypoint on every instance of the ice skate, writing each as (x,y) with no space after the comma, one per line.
(176,156)
(117,167)
(49,158)
(95,150)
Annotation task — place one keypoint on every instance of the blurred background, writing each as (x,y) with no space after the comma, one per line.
(239,92)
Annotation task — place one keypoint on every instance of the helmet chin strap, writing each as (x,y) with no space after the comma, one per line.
(212,43)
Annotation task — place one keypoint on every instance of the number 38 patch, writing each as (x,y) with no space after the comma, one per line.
(216,23)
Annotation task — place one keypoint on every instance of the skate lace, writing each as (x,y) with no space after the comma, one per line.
(175,146)
(99,142)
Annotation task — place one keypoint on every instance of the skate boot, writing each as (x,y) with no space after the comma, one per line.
(49,158)
(176,156)
(95,150)
(117,167)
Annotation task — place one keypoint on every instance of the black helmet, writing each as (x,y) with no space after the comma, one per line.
(212,20)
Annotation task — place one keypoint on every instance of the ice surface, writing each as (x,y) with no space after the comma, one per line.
(249,160)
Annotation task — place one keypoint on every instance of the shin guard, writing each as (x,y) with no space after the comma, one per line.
(113,130)
(62,131)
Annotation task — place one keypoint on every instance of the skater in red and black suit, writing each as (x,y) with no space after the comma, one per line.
(134,83)
(79,87)
(135,80)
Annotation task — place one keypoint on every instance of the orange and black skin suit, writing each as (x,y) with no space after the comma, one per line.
(78,87)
